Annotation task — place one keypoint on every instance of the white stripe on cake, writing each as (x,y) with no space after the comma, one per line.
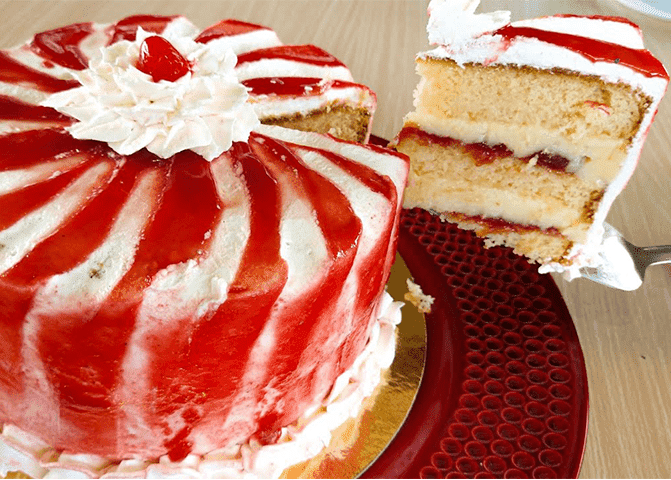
(80,292)
(196,287)
(279,67)
(303,247)
(247,42)
(20,238)
(14,180)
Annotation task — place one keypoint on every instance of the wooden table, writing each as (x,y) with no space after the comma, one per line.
(626,336)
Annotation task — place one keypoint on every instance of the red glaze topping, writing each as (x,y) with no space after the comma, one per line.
(14,72)
(294,86)
(126,29)
(61,45)
(227,28)
(482,153)
(13,109)
(300,53)
(641,61)
(161,60)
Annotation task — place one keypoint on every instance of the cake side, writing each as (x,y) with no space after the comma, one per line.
(131,280)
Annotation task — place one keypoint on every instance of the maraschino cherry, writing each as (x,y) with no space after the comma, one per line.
(161,60)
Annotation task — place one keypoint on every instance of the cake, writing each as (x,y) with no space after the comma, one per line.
(527,131)
(184,289)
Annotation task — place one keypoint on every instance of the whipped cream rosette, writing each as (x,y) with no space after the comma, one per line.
(204,110)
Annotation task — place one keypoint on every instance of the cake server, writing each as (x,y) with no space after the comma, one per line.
(622,264)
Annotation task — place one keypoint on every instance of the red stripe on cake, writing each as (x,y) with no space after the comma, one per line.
(81,235)
(61,45)
(19,284)
(227,28)
(320,302)
(35,147)
(126,29)
(604,18)
(14,109)
(381,256)
(641,61)
(16,73)
(298,53)
(188,208)
(81,349)
(259,281)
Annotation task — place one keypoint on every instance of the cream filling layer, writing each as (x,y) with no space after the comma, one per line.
(440,196)
(270,106)
(23,452)
(606,155)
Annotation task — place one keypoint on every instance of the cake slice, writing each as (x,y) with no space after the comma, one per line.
(526,132)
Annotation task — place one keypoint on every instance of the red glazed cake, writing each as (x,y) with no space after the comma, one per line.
(527,131)
(182,286)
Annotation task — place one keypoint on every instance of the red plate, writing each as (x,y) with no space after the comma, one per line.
(504,391)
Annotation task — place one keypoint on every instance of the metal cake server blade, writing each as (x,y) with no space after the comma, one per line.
(622,264)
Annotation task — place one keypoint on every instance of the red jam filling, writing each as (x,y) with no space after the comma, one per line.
(492,226)
(482,153)
(161,60)
(294,86)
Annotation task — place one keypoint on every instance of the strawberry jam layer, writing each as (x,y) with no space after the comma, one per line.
(492,226)
(482,153)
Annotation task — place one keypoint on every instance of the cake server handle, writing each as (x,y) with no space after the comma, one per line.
(622,264)
(658,255)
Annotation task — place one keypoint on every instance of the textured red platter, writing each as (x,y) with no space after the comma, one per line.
(504,391)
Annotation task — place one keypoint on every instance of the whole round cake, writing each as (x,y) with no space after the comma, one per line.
(178,280)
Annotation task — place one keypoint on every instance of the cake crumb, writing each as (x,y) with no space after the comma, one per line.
(418,298)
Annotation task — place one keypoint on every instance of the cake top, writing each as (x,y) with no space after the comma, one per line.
(158,82)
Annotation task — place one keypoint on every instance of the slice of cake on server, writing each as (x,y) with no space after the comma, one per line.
(526,132)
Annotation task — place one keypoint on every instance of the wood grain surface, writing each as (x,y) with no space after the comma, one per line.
(626,336)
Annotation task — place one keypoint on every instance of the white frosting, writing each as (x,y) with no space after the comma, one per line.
(269,106)
(455,21)
(14,180)
(205,110)
(619,33)
(280,67)
(20,451)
